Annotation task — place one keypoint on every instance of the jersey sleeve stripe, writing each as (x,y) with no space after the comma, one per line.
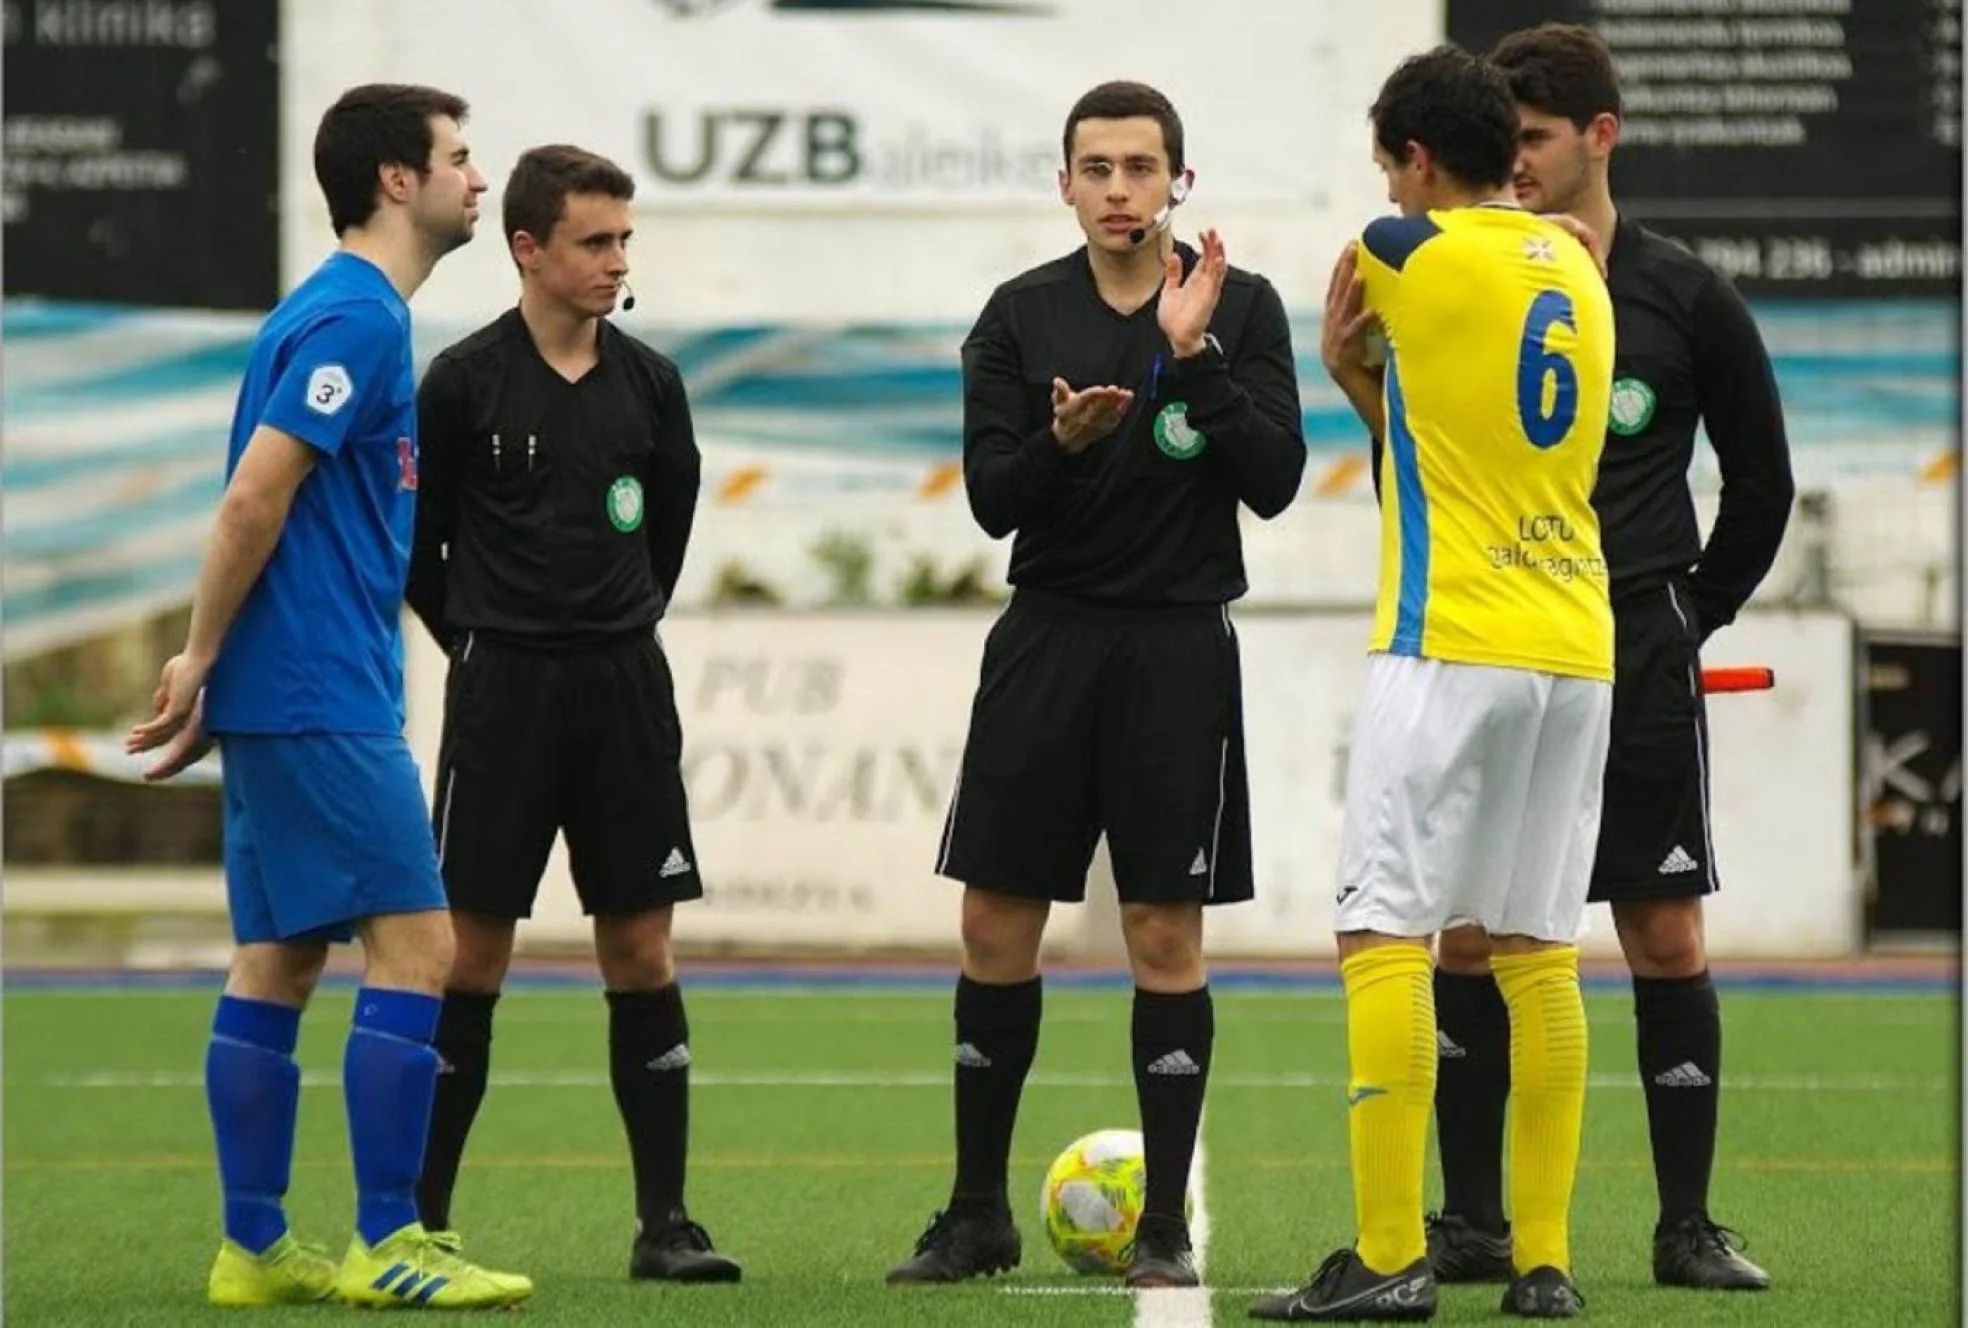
(1412,506)
(1393,240)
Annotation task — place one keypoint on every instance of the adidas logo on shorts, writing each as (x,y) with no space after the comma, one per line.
(1446,1046)
(1176,1062)
(971,1058)
(1678,861)
(1685,1075)
(674,865)
(1200,867)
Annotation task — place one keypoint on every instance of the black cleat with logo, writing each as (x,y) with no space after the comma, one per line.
(961,1243)
(1697,1252)
(1344,1290)
(1543,1293)
(1459,1251)
(679,1251)
(1163,1256)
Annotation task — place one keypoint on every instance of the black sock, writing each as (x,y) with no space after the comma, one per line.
(649,1066)
(1680,1028)
(1472,1088)
(1174,1034)
(464,1047)
(997,1037)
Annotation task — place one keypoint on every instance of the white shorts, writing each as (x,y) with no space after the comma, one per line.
(1472,795)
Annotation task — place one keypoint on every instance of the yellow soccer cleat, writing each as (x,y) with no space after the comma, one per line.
(412,1268)
(288,1273)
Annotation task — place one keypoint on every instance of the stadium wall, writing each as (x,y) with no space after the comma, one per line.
(822,749)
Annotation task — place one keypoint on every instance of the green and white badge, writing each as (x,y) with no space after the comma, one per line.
(1632,406)
(625,503)
(1174,435)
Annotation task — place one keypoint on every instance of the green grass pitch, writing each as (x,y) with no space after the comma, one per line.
(821,1143)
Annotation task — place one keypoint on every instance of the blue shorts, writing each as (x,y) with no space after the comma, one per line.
(321,831)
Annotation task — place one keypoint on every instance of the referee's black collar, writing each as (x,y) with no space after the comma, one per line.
(1626,241)
(516,330)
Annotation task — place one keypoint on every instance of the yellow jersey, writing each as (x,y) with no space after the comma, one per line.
(1498,382)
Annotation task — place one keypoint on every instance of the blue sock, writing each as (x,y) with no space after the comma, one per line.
(253,1089)
(389,1074)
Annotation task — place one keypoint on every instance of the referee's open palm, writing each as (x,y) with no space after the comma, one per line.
(1187,306)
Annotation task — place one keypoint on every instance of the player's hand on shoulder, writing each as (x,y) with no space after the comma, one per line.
(1187,305)
(1082,418)
(1347,332)
(1584,234)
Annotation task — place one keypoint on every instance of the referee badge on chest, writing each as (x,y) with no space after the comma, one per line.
(625,503)
(1174,435)
(1632,406)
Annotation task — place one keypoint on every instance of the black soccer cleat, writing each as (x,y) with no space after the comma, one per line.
(679,1251)
(1459,1251)
(1543,1293)
(1163,1256)
(1344,1290)
(960,1244)
(1697,1252)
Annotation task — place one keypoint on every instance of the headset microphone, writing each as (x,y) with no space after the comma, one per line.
(628,296)
(1178,191)
(1154,227)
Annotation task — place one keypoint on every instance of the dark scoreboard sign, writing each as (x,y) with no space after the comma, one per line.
(141,152)
(1803,147)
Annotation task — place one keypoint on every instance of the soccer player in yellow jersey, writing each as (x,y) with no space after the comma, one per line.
(1473,789)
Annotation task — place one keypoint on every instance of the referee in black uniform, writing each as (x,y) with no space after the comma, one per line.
(1120,405)
(1689,354)
(559,483)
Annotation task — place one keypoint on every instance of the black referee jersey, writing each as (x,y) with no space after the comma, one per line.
(550,513)
(1146,516)
(1689,354)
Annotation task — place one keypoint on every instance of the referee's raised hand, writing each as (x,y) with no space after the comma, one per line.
(1187,305)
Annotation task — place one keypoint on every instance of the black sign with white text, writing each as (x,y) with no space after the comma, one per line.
(1802,147)
(141,151)
(1911,796)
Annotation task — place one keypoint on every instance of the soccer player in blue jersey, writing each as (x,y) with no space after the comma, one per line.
(294,665)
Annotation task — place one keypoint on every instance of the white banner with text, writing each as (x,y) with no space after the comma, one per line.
(821,750)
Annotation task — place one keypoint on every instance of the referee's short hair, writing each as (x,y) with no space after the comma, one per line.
(536,191)
(1456,105)
(1560,69)
(1122,100)
(370,127)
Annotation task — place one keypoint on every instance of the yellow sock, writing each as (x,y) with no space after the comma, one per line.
(1390,1045)
(1547,1100)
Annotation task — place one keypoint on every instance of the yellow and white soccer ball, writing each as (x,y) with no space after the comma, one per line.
(1092,1199)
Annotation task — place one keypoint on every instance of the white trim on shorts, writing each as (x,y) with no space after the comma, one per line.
(1701,757)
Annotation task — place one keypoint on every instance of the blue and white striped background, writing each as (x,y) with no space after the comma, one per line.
(115,425)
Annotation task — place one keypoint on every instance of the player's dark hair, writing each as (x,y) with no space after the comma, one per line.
(1456,105)
(541,180)
(368,128)
(1125,101)
(1560,69)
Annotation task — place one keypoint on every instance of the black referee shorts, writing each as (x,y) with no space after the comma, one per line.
(1654,838)
(587,743)
(1091,719)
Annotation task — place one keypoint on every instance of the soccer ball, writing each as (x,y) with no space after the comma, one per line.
(1092,1199)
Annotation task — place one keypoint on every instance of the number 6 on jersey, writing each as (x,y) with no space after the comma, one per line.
(1547,380)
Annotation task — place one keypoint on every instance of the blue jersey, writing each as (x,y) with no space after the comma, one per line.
(318,645)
